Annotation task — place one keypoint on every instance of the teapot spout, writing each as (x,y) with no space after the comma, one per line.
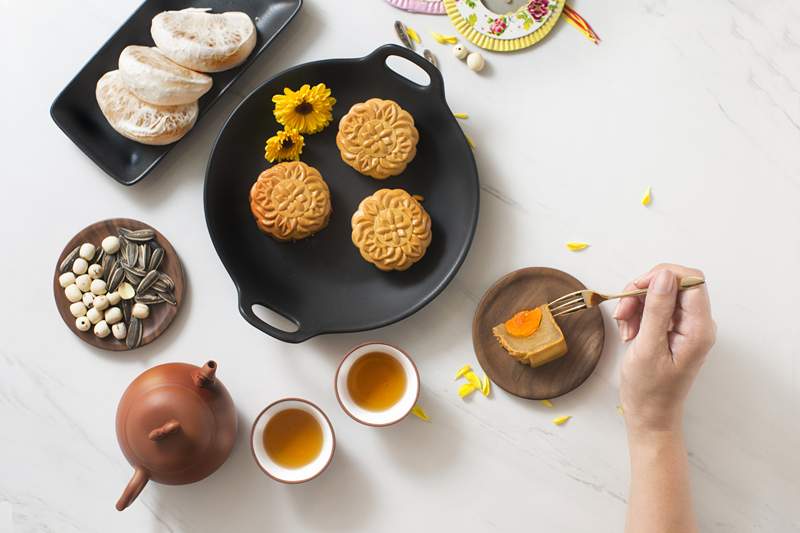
(204,377)
(135,486)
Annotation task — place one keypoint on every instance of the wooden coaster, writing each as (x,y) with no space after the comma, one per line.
(524,289)
(161,315)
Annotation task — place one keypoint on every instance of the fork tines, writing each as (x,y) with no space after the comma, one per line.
(567,304)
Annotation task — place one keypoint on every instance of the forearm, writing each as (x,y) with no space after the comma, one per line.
(660,500)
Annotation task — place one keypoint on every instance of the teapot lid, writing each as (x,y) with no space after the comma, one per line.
(166,422)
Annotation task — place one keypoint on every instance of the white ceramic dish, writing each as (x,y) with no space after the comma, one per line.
(281,473)
(377,418)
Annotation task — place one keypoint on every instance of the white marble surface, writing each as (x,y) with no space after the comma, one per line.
(699,100)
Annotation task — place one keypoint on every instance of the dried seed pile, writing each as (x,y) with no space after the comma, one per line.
(112,286)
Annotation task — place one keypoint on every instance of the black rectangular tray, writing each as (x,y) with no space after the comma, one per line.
(76,112)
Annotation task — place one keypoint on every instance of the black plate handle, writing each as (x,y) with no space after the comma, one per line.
(246,309)
(436,85)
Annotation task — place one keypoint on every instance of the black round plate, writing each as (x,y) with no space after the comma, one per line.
(321,283)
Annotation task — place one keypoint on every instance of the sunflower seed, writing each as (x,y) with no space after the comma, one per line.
(66,264)
(98,254)
(160,286)
(147,281)
(115,279)
(126,309)
(167,296)
(144,256)
(139,235)
(155,259)
(427,54)
(131,254)
(402,34)
(134,337)
(148,298)
(166,279)
(108,262)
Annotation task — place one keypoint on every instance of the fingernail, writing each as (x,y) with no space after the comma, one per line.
(664,282)
(626,332)
(615,315)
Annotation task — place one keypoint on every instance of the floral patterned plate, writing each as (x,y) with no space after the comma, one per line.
(504,32)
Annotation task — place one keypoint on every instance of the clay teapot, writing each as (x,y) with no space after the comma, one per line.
(176,424)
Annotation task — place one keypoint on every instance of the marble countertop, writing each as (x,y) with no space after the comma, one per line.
(702,103)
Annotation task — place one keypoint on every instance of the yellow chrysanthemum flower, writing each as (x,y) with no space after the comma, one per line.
(286,145)
(307,110)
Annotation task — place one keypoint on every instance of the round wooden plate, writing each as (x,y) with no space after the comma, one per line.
(524,289)
(161,315)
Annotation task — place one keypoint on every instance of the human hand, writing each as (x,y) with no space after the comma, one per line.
(671,334)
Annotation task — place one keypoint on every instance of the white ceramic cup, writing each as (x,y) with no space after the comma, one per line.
(395,413)
(281,473)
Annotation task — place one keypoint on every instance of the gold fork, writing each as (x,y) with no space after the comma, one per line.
(586,299)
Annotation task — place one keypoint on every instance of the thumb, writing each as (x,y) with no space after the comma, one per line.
(659,306)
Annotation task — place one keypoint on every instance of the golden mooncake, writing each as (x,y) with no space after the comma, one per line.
(377,138)
(290,201)
(391,229)
(546,343)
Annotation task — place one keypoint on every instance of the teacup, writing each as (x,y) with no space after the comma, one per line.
(353,384)
(284,440)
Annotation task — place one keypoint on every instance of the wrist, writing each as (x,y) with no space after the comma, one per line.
(645,436)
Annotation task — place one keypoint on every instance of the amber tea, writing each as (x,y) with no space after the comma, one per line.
(376,381)
(293,438)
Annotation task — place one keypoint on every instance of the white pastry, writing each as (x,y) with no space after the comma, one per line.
(138,120)
(152,77)
(202,41)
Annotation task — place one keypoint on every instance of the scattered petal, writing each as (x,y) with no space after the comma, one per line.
(648,196)
(466,389)
(463,370)
(444,39)
(414,35)
(486,387)
(474,380)
(470,141)
(547,403)
(419,412)
(462,116)
(620,410)
(561,420)
(418,197)
(577,246)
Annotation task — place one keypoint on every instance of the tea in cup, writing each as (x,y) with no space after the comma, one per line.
(377,384)
(292,440)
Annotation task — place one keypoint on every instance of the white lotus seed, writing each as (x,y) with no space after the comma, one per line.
(113,315)
(113,298)
(98,286)
(88,299)
(140,310)
(119,330)
(83,323)
(87,251)
(73,293)
(460,51)
(101,329)
(110,244)
(95,271)
(94,315)
(66,279)
(126,290)
(84,282)
(101,302)
(80,266)
(77,309)
(476,62)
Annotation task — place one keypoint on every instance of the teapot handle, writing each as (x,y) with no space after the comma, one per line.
(135,486)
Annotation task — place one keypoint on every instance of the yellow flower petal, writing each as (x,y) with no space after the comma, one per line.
(419,412)
(470,141)
(414,35)
(466,389)
(473,379)
(620,410)
(444,39)
(577,246)
(486,388)
(547,403)
(462,116)
(648,196)
(418,197)
(561,420)
(463,370)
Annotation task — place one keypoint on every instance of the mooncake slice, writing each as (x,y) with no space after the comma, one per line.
(545,344)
